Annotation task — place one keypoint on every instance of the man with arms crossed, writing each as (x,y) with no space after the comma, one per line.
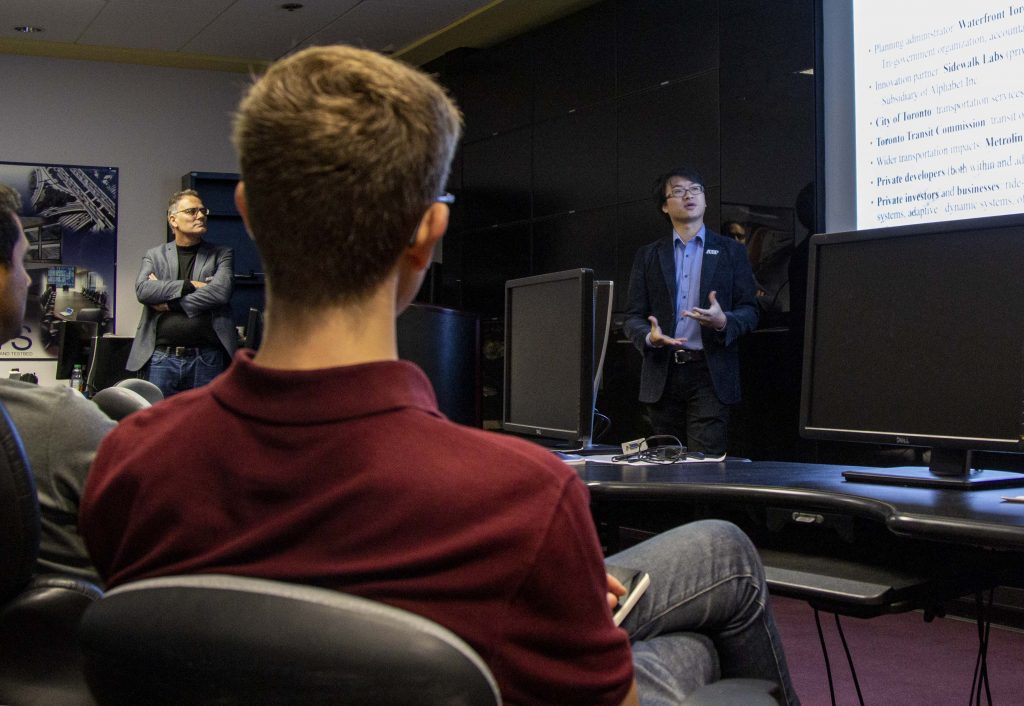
(691,296)
(186,334)
(59,428)
(341,471)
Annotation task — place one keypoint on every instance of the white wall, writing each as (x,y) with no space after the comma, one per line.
(155,124)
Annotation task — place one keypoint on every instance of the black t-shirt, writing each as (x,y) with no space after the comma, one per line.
(174,327)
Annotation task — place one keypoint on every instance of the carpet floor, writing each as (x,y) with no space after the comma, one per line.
(900,659)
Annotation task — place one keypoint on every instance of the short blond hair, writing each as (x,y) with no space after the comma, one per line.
(341,151)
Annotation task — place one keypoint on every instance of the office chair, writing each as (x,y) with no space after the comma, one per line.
(228,640)
(118,402)
(233,641)
(39,658)
(99,315)
(150,392)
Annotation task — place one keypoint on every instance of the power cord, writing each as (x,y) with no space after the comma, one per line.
(670,450)
(606,424)
(984,622)
(828,663)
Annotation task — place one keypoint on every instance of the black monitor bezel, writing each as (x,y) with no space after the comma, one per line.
(65,359)
(904,438)
(584,385)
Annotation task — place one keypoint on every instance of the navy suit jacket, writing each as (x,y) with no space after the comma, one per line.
(652,291)
(214,265)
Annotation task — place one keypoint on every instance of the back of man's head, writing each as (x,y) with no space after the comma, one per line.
(342,150)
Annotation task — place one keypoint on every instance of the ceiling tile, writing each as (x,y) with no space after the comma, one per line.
(62,20)
(152,24)
(386,25)
(261,29)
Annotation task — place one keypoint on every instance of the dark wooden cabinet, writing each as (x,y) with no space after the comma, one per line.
(225,227)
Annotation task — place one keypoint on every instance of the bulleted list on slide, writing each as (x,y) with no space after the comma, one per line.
(939,110)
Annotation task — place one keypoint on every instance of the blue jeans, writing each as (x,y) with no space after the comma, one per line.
(174,374)
(705,614)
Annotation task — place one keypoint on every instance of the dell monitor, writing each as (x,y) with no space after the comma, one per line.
(549,358)
(253,329)
(76,341)
(108,364)
(915,337)
(604,299)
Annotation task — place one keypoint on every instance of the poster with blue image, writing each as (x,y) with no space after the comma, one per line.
(69,215)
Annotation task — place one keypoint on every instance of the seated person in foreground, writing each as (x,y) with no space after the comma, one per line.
(59,428)
(341,472)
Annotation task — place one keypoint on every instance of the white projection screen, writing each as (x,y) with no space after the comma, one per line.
(923,111)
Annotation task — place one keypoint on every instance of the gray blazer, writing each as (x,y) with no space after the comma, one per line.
(213,266)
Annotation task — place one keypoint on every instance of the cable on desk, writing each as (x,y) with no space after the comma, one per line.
(606,424)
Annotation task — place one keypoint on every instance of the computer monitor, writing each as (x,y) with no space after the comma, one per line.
(108,363)
(253,329)
(75,340)
(62,276)
(915,337)
(549,358)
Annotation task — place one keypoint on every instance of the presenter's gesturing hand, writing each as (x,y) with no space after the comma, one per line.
(656,339)
(713,316)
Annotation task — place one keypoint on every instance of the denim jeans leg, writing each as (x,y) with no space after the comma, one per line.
(203,368)
(164,371)
(706,578)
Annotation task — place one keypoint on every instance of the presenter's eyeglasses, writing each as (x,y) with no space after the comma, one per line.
(680,191)
(193,212)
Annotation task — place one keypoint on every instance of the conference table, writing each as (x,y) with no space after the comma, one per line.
(848,547)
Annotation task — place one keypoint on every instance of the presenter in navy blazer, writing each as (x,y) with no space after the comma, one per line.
(691,296)
(186,335)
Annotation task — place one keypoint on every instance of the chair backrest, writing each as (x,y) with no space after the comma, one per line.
(90,314)
(235,640)
(19,512)
(118,402)
(39,658)
(148,390)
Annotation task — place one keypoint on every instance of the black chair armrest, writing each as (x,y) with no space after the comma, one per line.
(736,692)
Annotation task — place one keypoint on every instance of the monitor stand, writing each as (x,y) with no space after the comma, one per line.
(950,468)
(580,448)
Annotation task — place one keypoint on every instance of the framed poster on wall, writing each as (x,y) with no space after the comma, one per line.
(69,214)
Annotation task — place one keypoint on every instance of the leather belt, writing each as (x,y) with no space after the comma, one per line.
(685,355)
(180,351)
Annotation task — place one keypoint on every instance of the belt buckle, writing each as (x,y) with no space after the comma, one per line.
(180,351)
(682,355)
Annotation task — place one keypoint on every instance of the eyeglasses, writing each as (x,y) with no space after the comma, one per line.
(193,212)
(681,191)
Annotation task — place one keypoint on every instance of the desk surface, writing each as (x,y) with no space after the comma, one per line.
(972,517)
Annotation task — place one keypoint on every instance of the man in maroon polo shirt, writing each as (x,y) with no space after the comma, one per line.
(323,459)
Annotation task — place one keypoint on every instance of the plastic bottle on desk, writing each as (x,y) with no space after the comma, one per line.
(77,378)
